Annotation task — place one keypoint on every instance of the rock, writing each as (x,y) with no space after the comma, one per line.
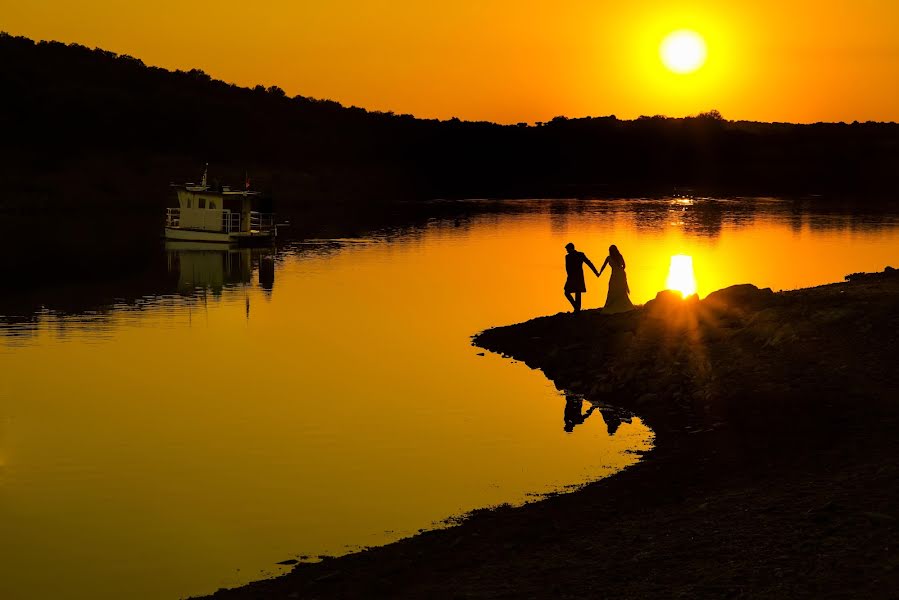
(877,517)
(664,299)
(743,295)
(626,338)
(785,334)
(646,399)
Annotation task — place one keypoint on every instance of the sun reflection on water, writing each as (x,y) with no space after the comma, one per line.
(680,275)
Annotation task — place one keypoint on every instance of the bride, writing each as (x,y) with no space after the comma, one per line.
(617,301)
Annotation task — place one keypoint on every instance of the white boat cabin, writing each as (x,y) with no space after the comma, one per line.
(206,214)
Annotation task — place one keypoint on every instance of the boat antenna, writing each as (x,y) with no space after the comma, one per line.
(205,170)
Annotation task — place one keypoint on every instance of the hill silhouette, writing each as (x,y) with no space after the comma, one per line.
(92,128)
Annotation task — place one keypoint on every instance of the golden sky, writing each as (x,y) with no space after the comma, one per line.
(511,61)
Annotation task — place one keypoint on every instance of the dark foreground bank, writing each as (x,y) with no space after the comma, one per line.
(775,472)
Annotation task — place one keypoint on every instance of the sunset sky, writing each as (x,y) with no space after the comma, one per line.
(511,61)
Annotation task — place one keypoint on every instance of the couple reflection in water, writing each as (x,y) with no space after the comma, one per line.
(617,300)
(574,416)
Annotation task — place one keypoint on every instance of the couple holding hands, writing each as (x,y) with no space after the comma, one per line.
(617,300)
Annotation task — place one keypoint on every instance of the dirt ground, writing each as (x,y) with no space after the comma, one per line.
(775,472)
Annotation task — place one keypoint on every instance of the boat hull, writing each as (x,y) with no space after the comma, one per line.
(220,237)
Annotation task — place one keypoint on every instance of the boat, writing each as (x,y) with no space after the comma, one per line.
(219,214)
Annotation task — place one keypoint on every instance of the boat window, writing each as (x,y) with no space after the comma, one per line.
(202,203)
(188,203)
(212,204)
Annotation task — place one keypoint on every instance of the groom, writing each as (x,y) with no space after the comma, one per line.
(574,265)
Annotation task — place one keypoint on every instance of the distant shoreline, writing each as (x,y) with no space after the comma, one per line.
(90,125)
(774,472)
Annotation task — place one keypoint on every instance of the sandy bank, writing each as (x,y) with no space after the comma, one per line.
(775,471)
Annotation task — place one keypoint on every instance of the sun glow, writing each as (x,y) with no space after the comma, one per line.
(680,275)
(683,51)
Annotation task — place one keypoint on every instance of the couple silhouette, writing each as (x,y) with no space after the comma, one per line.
(574,404)
(617,300)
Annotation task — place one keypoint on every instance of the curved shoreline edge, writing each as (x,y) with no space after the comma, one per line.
(774,470)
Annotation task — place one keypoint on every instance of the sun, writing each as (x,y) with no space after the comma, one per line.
(680,275)
(683,51)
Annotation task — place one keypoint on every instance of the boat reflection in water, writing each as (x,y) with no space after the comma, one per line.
(215,267)
(179,274)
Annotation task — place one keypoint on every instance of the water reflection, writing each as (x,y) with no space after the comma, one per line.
(267,273)
(218,422)
(184,277)
(614,417)
(213,267)
(347,402)
(79,276)
(575,414)
(681,277)
(574,404)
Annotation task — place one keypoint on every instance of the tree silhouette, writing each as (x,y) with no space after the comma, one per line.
(89,128)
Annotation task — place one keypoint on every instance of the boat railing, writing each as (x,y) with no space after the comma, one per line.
(262,221)
(230,221)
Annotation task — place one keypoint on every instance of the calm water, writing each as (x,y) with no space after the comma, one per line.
(235,409)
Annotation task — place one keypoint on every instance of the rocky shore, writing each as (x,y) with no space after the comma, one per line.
(775,472)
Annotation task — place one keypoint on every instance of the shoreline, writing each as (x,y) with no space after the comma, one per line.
(773,472)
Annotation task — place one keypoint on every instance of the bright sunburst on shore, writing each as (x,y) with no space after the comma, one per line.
(683,51)
(680,275)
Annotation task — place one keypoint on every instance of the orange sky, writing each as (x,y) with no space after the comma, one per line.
(511,61)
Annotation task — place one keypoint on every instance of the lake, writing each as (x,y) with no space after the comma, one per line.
(189,424)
